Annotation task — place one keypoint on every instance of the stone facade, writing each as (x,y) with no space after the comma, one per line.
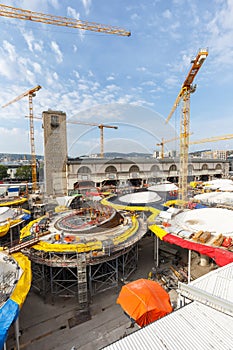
(55,152)
(140,171)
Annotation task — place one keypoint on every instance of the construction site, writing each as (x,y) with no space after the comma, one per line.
(66,259)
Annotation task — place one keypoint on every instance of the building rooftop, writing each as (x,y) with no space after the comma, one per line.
(194,326)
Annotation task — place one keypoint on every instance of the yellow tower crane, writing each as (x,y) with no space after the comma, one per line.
(163,142)
(30,93)
(212,139)
(101,127)
(13,12)
(184,94)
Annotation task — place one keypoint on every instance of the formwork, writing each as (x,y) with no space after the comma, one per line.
(97,259)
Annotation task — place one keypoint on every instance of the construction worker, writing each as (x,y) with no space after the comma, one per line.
(152,274)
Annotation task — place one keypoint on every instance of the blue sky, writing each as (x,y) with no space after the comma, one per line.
(131,82)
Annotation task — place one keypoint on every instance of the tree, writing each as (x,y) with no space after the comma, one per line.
(3,172)
(24,173)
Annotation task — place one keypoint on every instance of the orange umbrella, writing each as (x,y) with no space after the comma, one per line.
(144,301)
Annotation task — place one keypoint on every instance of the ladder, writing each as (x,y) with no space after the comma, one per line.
(82,280)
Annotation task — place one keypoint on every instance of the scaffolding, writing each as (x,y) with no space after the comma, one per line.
(80,275)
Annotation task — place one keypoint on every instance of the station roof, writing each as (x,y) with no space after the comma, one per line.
(195,326)
(205,323)
(213,289)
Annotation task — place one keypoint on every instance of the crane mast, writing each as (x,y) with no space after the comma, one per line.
(13,12)
(30,93)
(184,94)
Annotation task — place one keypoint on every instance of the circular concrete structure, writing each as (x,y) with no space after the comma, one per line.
(140,197)
(84,251)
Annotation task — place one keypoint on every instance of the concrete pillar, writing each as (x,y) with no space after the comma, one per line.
(17,333)
(204,260)
(156,250)
(189,265)
(180,301)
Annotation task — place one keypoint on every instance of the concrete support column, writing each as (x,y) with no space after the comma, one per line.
(17,333)
(180,301)
(189,265)
(156,250)
(204,260)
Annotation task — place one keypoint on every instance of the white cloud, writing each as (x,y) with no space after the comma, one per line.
(167,14)
(87,5)
(55,76)
(5,69)
(37,67)
(75,49)
(83,87)
(58,54)
(32,43)
(135,17)
(112,87)
(10,50)
(19,140)
(149,83)
(110,78)
(37,5)
(141,69)
(220,31)
(73,13)
(30,77)
(171,82)
(28,36)
(55,3)
(76,74)
(52,77)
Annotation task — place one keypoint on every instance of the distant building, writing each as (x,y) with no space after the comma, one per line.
(218,154)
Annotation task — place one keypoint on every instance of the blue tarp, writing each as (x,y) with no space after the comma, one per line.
(200,206)
(8,313)
(26,217)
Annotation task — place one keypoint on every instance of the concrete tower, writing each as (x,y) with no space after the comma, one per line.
(55,152)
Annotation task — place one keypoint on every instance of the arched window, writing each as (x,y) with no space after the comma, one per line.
(204,167)
(155,170)
(110,169)
(218,167)
(84,173)
(190,169)
(84,170)
(173,167)
(111,172)
(134,169)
